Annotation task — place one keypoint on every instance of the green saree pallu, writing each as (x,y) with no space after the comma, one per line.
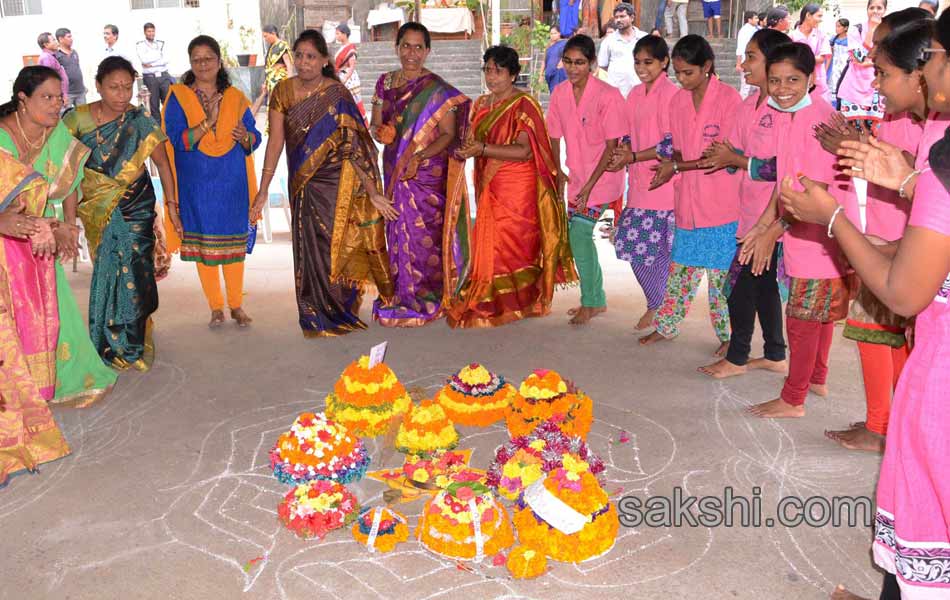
(81,376)
(118,214)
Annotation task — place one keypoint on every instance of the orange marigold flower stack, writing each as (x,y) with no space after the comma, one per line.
(567,515)
(391,529)
(526,563)
(367,399)
(465,521)
(426,429)
(475,396)
(544,395)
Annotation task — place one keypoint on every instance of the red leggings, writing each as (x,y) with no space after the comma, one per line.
(809,343)
(881,366)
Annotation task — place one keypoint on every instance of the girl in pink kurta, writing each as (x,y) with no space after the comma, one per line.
(912,524)
(644,235)
(819,292)
(856,98)
(588,114)
(878,331)
(706,205)
(809,33)
(751,149)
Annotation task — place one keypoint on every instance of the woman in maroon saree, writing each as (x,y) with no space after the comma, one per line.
(417,116)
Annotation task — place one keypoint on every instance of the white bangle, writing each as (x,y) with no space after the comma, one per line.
(748,167)
(832,221)
(901,191)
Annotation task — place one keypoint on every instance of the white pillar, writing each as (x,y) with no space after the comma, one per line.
(495,22)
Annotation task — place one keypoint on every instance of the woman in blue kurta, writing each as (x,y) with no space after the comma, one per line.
(212,137)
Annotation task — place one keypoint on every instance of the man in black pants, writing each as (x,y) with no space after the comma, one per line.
(155,74)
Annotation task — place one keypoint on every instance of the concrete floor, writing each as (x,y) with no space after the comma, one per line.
(167,493)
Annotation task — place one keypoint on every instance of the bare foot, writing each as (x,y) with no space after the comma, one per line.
(776,366)
(835,434)
(721,369)
(242,318)
(653,338)
(819,389)
(721,351)
(777,409)
(859,439)
(842,593)
(217,318)
(573,311)
(586,313)
(646,321)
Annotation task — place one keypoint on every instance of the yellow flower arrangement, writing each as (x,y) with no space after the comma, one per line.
(425,429)
(391,531)
(543,396)
(367,400)
(476,397)
(525,562)
(447,523)
(586,497)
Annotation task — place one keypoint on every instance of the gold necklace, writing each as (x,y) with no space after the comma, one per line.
(19,126)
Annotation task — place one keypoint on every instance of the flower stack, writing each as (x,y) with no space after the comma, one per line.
(367,399)
(475,396)
(434,470)
(526,459)
(426,429)
(567,515)
(318,448)
(544,396)
(465,521)
(315,508)
(380,529)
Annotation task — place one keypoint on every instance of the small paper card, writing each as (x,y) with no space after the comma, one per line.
(377,354)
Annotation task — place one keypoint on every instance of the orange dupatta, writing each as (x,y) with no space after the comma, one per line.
(216,142)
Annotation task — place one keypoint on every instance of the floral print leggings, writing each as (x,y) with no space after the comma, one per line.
(681,288)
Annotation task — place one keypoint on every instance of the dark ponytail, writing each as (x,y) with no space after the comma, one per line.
(28,79)
(222,82)
(320,43)
(695,50)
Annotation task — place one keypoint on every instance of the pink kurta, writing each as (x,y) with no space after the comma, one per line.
(856,83)
(704,200)
(809,252)
(819,45)
(912,529)
(754,134)
(886,213)
(586,127)
(934,129)
(648,116)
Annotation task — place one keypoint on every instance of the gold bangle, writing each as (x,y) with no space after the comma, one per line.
(268,170)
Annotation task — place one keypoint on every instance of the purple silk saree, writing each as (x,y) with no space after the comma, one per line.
(423,252)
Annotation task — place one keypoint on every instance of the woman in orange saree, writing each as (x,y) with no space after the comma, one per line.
(519,247)
(28,434)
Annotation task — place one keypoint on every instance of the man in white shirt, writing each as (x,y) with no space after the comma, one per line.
(742,40)
(110,34)
(616,50)
(151,53)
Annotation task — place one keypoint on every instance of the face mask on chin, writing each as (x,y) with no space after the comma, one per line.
(803,103)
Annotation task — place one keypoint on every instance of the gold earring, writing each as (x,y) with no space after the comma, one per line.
(940,97)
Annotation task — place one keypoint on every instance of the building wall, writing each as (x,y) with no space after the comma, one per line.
(220,19)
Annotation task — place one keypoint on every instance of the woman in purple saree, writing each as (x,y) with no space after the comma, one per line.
(417,116)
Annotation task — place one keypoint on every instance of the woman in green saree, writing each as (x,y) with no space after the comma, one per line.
(30,129)
(118,214)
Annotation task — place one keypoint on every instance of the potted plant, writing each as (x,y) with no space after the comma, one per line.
(248,36)
(226,58)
